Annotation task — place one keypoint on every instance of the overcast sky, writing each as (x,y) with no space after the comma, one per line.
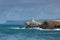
(28,9)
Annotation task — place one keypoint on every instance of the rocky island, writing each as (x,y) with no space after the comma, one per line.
(48,24)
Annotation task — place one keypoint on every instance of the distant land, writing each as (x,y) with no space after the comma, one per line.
(23,21)
(15,22)
(19,21)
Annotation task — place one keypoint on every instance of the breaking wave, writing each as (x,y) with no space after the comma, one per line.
(33,28)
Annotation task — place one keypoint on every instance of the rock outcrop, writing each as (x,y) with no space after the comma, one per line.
(44,24)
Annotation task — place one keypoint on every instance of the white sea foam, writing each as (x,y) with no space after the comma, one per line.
(56,29)
(37,28)
(46,29)
(16,28)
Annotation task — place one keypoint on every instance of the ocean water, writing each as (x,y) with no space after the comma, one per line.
(14,33)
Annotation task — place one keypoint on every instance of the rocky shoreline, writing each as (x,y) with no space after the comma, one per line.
(48,24)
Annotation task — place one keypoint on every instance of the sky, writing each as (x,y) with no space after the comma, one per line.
(28,9)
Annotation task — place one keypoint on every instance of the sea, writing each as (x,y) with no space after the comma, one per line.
(19,32)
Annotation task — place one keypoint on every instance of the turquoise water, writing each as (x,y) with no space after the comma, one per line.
(27,34)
